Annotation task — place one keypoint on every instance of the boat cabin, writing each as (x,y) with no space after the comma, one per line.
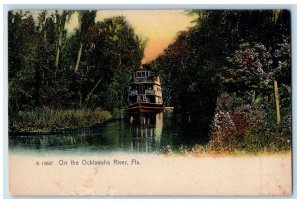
(145,88)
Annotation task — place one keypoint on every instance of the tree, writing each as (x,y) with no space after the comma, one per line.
(23,61)
(110,54)
(86,24)
(118,51)
(61,18)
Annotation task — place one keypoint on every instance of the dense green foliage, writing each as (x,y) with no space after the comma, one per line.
(52,67)
(238,52)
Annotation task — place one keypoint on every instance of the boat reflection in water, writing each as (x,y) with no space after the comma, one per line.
(146,131)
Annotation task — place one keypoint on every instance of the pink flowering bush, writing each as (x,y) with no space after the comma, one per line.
(246,127)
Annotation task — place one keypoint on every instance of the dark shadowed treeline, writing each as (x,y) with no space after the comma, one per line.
(221,72)
(50,66)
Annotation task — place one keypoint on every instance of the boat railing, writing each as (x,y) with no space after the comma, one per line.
(133,92)
(145,80)
(142,98)
(149,92)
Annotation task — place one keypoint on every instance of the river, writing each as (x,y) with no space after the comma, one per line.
(142,134)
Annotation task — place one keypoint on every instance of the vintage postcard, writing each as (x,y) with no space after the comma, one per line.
(149,102)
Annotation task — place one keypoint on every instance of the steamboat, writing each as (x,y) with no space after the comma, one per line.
(145,93)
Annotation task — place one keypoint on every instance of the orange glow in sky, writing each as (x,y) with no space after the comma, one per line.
(158,27)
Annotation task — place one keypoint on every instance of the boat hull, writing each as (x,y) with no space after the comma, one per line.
(145,108)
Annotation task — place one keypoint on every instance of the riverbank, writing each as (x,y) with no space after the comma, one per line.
(204,151)
(149,174)
(46,120)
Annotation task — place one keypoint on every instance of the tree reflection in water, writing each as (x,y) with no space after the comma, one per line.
(146,132)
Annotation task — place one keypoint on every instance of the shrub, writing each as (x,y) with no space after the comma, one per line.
(223,126)
(247,127)
(167,150)
(184,149)
(46,119)
(198,150)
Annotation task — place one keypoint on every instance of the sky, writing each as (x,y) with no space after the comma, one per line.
(158,27)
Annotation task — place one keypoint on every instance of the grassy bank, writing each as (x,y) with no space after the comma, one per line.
(206,151)
(53,120)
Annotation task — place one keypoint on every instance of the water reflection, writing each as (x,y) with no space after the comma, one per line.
(130,134)
(146,132)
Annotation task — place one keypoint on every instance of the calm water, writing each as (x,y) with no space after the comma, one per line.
(145,134)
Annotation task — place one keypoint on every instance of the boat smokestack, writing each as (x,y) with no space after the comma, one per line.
(145,67)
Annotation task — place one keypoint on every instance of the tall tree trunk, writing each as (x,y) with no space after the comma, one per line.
(61,21)
(86,20)
(277,102)
(78,57)
(89,95)
(58,50)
